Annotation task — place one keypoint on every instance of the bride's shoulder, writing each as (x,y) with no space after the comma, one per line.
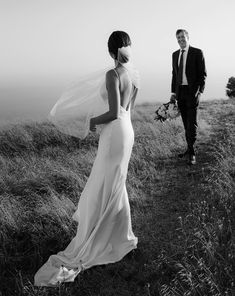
(111,75)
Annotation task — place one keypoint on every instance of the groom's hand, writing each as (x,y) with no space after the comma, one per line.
(198,95)
(173,98)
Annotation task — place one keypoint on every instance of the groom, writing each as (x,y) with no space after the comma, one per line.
(188,83)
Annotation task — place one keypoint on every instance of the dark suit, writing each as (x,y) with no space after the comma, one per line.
(186,96)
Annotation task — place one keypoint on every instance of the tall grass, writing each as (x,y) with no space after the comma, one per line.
(204,261)
(43,173)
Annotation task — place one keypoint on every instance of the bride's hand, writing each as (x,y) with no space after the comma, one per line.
(92,125)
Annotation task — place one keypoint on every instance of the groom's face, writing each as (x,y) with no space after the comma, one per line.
(182,39)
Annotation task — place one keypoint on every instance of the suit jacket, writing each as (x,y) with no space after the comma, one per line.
(195,71)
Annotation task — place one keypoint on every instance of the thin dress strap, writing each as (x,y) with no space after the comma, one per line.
(117,75)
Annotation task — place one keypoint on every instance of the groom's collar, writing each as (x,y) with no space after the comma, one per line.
(185,49)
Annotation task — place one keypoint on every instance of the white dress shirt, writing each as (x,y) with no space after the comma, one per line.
(184,78)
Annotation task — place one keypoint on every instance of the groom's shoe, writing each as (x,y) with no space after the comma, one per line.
(182,155)
(192,159)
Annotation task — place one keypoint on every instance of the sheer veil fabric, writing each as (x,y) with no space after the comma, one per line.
(87,98)
(104,233)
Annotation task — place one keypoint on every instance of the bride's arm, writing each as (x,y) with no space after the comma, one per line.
(112,85)
(134,95)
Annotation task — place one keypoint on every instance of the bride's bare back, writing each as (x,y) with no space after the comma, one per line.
(125,87)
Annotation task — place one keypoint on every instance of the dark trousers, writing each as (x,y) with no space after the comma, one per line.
(188,106)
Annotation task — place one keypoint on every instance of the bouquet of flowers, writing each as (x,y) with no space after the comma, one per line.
(167,111)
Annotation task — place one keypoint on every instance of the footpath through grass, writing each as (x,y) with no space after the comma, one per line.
(182,215)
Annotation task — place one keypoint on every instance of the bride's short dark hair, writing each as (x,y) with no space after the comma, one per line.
(117,40)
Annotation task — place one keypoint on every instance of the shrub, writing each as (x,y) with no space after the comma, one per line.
(230,87)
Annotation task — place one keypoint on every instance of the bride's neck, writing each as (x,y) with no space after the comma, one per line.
(117,64)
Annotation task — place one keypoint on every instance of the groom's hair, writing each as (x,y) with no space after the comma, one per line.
(182,31)
(117,40)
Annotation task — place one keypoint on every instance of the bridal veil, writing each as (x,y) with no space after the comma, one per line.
(86,98)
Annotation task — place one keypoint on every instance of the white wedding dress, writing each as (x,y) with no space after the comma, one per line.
(104,233)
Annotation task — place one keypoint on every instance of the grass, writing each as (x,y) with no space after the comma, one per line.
(184,217)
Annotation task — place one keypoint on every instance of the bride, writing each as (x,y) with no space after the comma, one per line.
(104,233)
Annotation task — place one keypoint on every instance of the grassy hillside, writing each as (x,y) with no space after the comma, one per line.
(184,217)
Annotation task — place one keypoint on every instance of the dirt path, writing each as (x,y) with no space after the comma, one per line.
(178,185)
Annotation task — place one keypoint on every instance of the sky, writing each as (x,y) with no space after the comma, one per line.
(45,44)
